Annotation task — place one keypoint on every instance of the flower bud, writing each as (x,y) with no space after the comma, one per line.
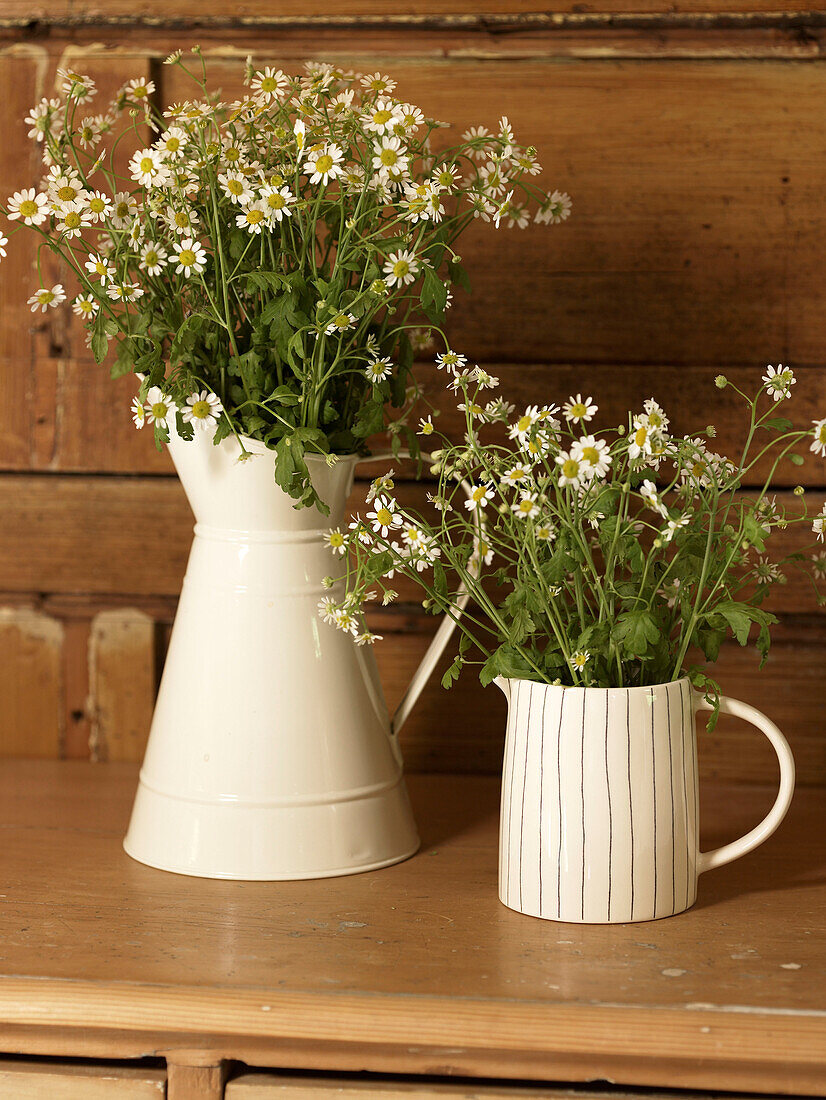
(799,490)
(721,381)
(327,582)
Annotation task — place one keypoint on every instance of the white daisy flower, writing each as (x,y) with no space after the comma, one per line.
(190,257)
(147,167)
(4,240)
(494,180)
(642,440)
(521,430)
(515,475)
(545,532)
(172,143)
(340,323)
(345,620)
(138,90)
(400,268)
(73,220)
(579,410)
(451,361)
(503,209)
(202,409)
(580,659)
(98,265)
(554,210)
(159,408)
(327,610)
(76,86)
(236,187)
(671,591)
(124,292)
(42,117)
(377,83)
(98,205)
(300,133)
(440,503)
(253,218)
(477,136)
(64,188)
(526,507)
(28,205)
(85,307)
(384,517)
(89,132)
(335,540)
(819,563)
(594,453)
(138,413)
(269,83)
(819,437)
(277,201)
(184,221)
(324,163)
(779,381)
(767,572)
(389,156)
(480,496)
(648,492)
(153,258)
(124,210)
(655,417)
(672,527)
(571,469)
(47,299)
(482,553)
(378,370)
(368,638)
(382,485)
(819,524)
(382,116)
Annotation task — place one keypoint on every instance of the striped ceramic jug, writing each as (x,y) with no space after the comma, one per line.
(599,818)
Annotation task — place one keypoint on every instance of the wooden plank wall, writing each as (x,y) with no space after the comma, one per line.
(692,136)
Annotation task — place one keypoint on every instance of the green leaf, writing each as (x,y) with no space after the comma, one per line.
(636,631)
(778,422)
(796,460)
(452,673)
(459,276)
(100,341)
(434,295)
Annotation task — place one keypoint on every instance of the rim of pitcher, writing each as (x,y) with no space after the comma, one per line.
(580,687)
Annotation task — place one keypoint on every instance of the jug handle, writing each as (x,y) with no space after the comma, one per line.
(446,627)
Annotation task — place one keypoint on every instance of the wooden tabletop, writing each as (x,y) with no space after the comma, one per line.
(416,968)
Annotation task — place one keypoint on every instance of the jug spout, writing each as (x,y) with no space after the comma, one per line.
(504,686)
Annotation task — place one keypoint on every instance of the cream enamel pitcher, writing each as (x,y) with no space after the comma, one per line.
(272,754)
(600,801)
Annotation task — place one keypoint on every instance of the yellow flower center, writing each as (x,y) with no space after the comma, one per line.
(384,517)
(233,153)
(186,257)
(324,163)
(381,117)
(182,220)
(159,410)
(276,201)
(255,216)
(45,296)
(479,493)
(699,468)
(578,410)
(821,434)
(122,210)
(342,321)
(151,258)
(200,410)
(336,539)
(526,506)
(591,455)
(269,84)
(235,187)
(172,144)
(73,220)
(67,193)
(147,166)
(523,423)
(100,267)
(401,268)
(141,92)
(97,205)
(640,436)
(28,208)
(570,468)
(86,305)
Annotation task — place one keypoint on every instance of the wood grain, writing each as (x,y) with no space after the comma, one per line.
(31,688)
(67,1081)
(122,683)
(417,968)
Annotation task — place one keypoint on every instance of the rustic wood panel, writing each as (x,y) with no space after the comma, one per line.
(31,688)
(71,12)
(98,436)
(122,683)
(26,1080)
(124,536)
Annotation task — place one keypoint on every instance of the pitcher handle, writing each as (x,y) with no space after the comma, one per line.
(761,832)
(446,627)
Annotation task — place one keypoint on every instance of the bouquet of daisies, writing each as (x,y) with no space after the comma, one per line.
(613,554)
(268,266)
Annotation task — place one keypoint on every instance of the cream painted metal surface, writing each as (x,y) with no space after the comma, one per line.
(599,813)
(272,754)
